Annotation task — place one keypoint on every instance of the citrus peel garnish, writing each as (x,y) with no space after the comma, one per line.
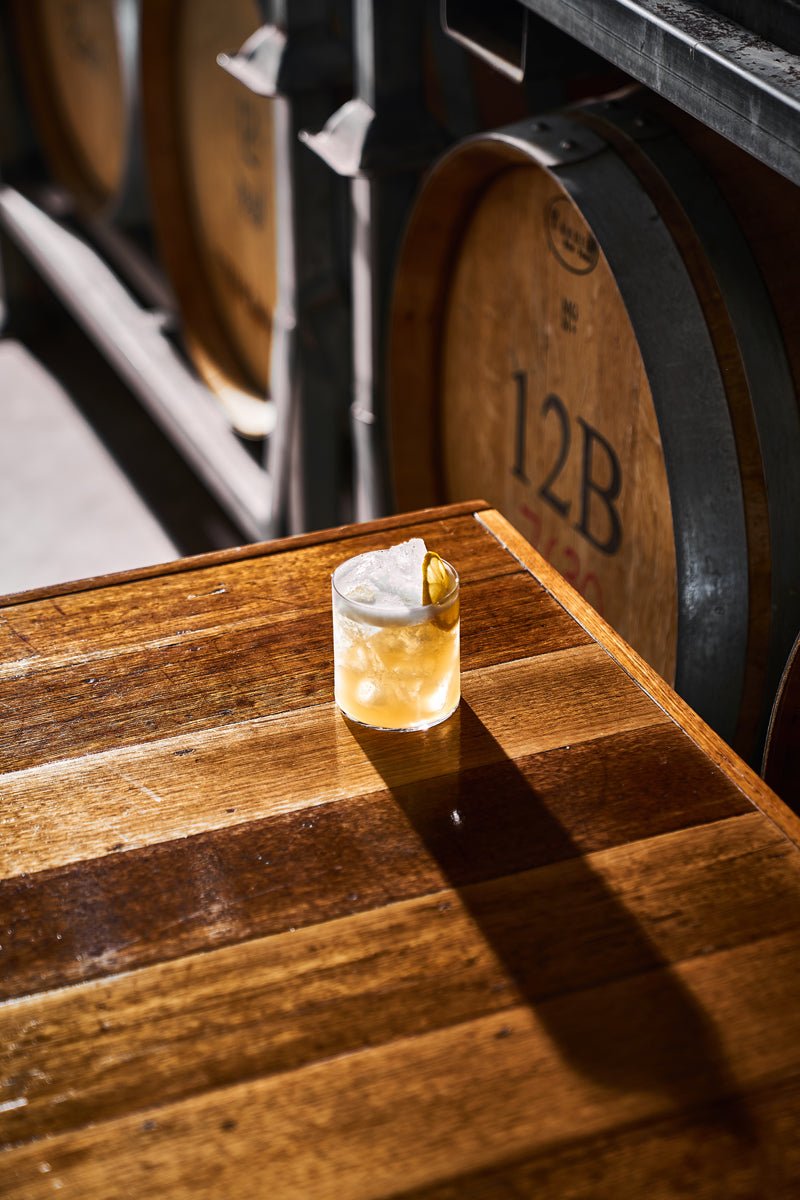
(436,581)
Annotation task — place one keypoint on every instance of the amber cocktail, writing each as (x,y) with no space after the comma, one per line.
(396,637)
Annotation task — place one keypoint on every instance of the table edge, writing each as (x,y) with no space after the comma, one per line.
(218,558)
(705,738)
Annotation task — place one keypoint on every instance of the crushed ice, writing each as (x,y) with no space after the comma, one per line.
(386,578)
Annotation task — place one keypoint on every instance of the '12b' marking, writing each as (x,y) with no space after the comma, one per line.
(593,447)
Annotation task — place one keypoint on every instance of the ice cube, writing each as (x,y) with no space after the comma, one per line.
(435,698)
(386,578)
(367,691)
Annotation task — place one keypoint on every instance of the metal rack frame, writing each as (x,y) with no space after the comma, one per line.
(739,84)
(310,368)
(92,267)
(134,338)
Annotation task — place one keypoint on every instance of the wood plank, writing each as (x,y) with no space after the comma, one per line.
(708,741)
(298,868)
(85,625)
(217,558)
(360,969)
(261,767)
(173,1030)
(229,674)
(702,1154)
(565,1071)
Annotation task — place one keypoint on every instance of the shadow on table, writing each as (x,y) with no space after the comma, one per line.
(571,947)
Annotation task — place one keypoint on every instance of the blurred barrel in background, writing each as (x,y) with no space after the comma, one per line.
(582,335)
(78,60)
(211,165)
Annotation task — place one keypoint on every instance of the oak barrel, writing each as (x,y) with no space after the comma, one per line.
(209,145)
(79,63)
(580,334)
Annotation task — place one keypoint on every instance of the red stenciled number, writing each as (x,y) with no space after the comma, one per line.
(589,585)
(535,520)
(574,569)
(550,545)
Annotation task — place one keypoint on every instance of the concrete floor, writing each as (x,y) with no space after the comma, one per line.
(87,483)
(67,510)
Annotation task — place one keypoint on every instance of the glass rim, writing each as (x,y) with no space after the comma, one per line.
(408,610)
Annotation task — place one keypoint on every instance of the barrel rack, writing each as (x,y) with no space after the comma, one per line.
(739,76)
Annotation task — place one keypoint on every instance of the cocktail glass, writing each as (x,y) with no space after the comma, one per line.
(396,665)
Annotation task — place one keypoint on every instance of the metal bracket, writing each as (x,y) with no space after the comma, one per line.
(272,63)
(381,140)
(297,61)
(719,72)
(340,143)
(359,143)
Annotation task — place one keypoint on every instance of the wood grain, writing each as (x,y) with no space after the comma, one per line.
(344,533)
(206,595)
(389,973)
(667,699)
(230,674)
(522,327)
(621,1053)
(704,1158)
(188,784)
(549,946)
(97,917)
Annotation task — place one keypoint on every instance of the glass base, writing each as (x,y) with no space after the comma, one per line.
(417,727)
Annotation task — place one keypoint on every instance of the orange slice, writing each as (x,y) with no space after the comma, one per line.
(436,581)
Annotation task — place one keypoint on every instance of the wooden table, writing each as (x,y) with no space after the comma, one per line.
(548,949)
